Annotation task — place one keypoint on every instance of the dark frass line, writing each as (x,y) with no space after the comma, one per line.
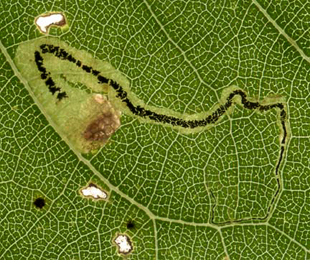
(250,219)
(161,118)
(49,82)
(142,112)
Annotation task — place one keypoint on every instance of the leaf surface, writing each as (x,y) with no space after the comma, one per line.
(218,193)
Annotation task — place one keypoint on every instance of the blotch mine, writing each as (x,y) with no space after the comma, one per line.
(123,243)
(93,191)
(45,21)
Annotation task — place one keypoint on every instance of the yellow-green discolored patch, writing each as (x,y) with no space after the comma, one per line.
(84,116)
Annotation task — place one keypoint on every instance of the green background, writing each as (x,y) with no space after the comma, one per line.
(178,55)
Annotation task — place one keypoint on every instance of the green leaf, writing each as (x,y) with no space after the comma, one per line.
(237,188)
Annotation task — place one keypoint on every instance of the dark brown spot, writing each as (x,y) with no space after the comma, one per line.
(101,128)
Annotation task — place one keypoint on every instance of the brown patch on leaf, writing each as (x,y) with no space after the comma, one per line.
(101,128)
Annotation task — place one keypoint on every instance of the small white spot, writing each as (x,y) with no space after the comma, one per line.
(44,22)
(93,191)
(124,244)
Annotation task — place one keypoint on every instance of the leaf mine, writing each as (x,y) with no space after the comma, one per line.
(84,116)
(88,119)
(123,243)
(45,21)
(93,191)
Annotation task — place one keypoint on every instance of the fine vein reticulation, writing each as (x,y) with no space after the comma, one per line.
(158,117)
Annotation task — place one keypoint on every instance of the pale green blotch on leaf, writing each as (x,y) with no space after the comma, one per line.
(84,105)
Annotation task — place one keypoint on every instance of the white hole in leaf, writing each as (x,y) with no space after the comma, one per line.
(93,191)
(45,21)
(124,244)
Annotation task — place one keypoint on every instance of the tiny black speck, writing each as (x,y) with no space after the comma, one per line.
(39,203)
(130,225)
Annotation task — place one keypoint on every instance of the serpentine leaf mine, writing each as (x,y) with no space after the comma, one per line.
(85,96)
